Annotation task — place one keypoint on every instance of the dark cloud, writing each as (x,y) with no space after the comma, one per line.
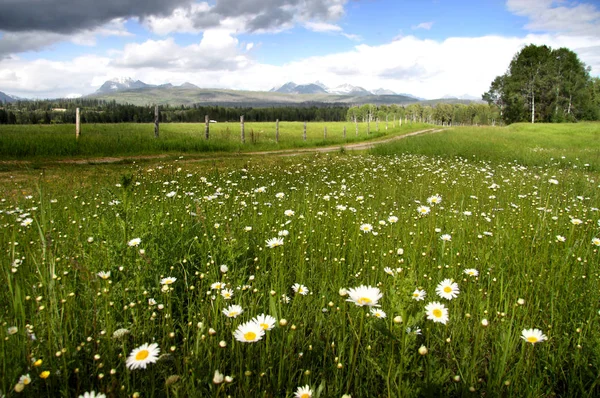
(270,14)
(13,43)
(68,16)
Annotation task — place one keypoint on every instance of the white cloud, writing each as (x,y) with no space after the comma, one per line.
(574,18)
(181,20)
(322,27)
(423,25)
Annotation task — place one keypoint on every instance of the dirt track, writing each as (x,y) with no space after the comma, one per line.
(359,146)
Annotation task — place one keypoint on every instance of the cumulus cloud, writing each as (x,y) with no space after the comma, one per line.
(575,18)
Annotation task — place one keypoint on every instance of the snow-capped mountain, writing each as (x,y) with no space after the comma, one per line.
(348,89)
(383,91)
(121,83)
(293,88)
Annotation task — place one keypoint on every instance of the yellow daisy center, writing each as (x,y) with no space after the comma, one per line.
(305,395)
(249,336)
(447,289)
(364,300)
(143,354)
(264,326)
(233,313)
(437,313)
(532,339)
(415,294)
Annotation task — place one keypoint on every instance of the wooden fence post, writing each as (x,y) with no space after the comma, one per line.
(77,124)
(394,125)
(356,126)
(344,131)
(305,131)
(324,132)
(368,125)
(386,122)
(242,129)
(277,131)
(206,126)
(156,121)
(377,124)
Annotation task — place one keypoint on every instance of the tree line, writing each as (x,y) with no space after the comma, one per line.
(100,111)
(446,114)
(545,85)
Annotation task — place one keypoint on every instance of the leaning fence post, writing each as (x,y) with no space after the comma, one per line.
(324,132)
(206,126)
(156,121)
(77,124)
(277,131)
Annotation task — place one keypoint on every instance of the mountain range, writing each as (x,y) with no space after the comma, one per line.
(136,92)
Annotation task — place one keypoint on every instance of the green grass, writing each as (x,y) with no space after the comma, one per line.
(504,220)
(533,145)
(129,139)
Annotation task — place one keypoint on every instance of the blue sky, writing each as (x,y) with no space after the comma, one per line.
(428,48)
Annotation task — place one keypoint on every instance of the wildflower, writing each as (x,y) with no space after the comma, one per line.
(560,238)
(233,311)
(266,322)
(247,229)
(227,294)
(398,319)
(274,242)
(419,295)
(533,336)
(104,275)
(168,281)
(134,242)
(217,285)
(171,194)
(300,289)
(392,219)
(484,322)
(553,181)
(377,313)
(366,228)
(303,392)
(218,377)
(389,271)
(446,237)
(596,241)
(434,200)
(142,356)
(471,272)
(576,221)
(283,232)
(45,374)
(437,312)
(343,292)
(423,210)
(26,222)
(223,268)
(521,301)
(423,350)
(447,289)
(260,190)
(279,195)
(249,332)
(365,295)
(92,394)
(117,334)
(289,213)
(12,330)
(25,379)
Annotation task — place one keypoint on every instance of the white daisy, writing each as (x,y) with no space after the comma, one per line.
(437,312)
(423,210)
(366,228)
(303,392)
(266,322)
(377,313)
(142,356)
(300,289)
(134,242)
(168,280)
(447,289)
(471,272)
(419,295)
(249,332)
(233,311)
(533,336)
(274,242)
(364,295)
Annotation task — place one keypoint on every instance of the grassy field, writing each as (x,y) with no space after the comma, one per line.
(89,251)
(533,145)
(130,139)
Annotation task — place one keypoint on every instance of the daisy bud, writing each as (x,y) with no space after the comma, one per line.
(423,350)
(484,322)
(398,319)
(282,322)
(228,379)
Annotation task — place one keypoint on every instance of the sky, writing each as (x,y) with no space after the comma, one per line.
(426,48)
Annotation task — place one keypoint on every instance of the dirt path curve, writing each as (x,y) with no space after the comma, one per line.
(358,146)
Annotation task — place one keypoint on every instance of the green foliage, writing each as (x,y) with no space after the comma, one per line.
(545,85)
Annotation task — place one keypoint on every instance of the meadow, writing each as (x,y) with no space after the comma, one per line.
(396,273)
(134,139)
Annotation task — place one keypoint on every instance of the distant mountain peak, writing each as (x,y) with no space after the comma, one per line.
(120,84)
(7,98)
(189,85)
